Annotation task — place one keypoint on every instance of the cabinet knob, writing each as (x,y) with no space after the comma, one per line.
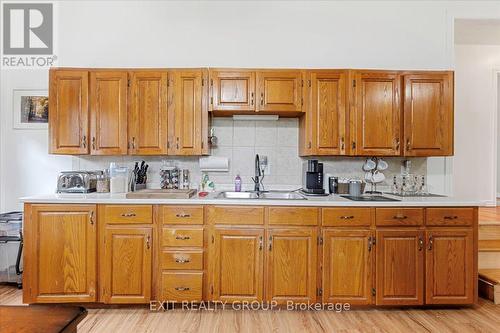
(342,143)
(182,260)
(397,143)
(93,143)
(148,242)
(408,146)
(182,215)
(431,242)
(454,217)
(261,243)
(347,217)
(84,141)
(128,215)
(400,217)
(182,288)
(420,243)
(133,142)
(182,237)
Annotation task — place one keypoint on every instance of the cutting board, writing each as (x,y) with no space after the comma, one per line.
(161,194)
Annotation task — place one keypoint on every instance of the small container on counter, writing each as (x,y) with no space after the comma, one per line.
(103,182)
(118,178)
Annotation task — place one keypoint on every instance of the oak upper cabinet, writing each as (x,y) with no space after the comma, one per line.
(232,90)
(279,91)
(108,112)
(375,117)
(450,268)
(428,114)
(400,267)
(148,113)
(185,110)
(347,266)
(60,258)
(126,255)
(69,113)
(327,112)
(291,264)
(238,264)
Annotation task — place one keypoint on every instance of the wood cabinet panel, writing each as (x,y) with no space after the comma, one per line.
(428,114)
(347,266)
(293,215)
(127,214)
(69,113)
(450,216)
(108,112)
(279,91)
(181,286)
(181,214)
(328,107)
(376,121)
(235,214)
(346,217)
(400,267)
(181,259)
(126,264)
(232,90)
(60,258)
(399,217)
(450,266)
(238,264)
(185,112)
(148,113)
(182,236)
(291,265)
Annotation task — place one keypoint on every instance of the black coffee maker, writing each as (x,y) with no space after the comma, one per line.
(313,178)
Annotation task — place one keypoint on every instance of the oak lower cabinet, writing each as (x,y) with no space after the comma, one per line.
(450,268)
(127,264)
(60,258)
(238,264)
(400,267)
(347,266)
(291,264)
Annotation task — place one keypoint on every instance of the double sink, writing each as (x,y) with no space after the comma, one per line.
(269,195)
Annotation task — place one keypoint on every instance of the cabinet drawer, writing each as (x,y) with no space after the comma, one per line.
(449,216)
(235,215)
(182,260)
(140,214)
(181,215)
(293,215)
(399,216)
(339,217)
(182,237)
(182,286)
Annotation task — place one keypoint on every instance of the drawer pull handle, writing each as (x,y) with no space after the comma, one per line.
(454,217)
(148,242)
(182,261)
(431,242)
(400,217)
(129,215)
(182,237)
(183,215)
(347,217)
(420,243)
(182,288)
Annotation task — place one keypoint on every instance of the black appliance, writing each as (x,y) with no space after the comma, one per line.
(313,179)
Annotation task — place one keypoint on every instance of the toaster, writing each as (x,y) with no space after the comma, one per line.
(77,181)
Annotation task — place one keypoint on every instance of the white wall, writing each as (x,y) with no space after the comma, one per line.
(391,34)
(474,171)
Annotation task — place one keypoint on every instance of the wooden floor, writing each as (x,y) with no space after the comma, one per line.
(485,317)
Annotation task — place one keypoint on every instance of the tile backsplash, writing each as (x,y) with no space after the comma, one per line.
(240,140)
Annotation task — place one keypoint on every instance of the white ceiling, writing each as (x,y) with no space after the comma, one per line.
(485,32)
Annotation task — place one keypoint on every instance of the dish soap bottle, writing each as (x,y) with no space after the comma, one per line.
(237,183)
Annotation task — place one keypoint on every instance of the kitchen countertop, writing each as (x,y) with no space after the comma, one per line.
(331,200)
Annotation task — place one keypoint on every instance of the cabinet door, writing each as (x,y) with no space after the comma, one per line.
(148,116)
(279,91)
(291,265)
(450,266)
(400,267)
(126,264)
(185,112)
(238,264)
(61,253)
(328,107)
(428,113)
(377,113)
(68,116)
(347,266)
(232,90)
(108,113)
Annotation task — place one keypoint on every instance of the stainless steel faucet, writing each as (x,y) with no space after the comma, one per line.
(258,173)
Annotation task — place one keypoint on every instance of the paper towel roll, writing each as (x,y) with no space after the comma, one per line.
(214,163)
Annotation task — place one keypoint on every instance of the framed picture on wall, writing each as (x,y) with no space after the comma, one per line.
(31,109)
